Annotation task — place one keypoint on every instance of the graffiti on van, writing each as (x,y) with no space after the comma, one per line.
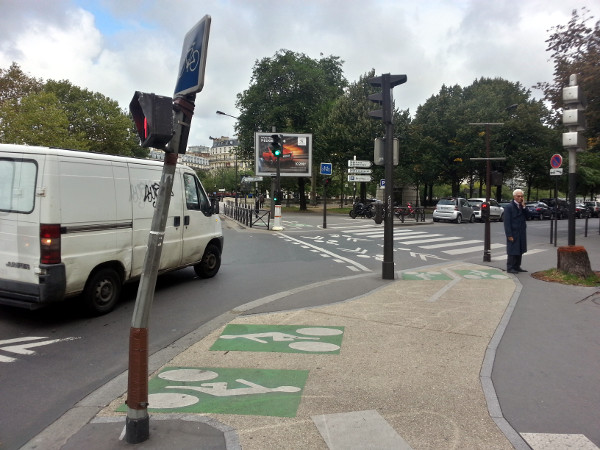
(146,193)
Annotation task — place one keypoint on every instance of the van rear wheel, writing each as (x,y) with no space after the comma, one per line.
(102,291)
(210,264)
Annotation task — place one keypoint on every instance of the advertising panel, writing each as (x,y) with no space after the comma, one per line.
(295,161)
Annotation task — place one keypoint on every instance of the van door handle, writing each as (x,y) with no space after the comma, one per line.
(177,221)
(186,220)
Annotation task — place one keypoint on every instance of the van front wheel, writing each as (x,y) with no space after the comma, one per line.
(210,264)
(102,291)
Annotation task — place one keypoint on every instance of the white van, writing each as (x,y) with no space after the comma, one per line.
(75,223)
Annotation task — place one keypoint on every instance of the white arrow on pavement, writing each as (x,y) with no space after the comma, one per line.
(26,345)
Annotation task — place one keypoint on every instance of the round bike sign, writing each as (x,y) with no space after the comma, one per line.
(556,161)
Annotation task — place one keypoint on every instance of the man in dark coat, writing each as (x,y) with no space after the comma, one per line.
(515,227)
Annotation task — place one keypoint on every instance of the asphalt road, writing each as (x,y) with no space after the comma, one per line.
(38,388)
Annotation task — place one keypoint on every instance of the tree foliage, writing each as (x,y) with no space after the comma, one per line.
(575,49)
(59,114)
(291,92)
(448,130)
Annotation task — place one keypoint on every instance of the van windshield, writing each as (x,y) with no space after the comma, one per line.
(17,185)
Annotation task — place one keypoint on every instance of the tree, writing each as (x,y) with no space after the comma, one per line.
(58,114)
(96,121)
(39,120)
(443,133)
(575,49)
(291,92)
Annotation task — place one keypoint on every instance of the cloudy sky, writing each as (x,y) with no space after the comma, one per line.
(116,47)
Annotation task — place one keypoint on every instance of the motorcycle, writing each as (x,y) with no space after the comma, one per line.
(361,210)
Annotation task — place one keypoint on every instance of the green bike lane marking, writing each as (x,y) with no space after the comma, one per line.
(469,274)
(280,339)
(248,391)
(262,392)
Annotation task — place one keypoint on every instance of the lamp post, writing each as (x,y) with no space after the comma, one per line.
(487,257)
(221,113)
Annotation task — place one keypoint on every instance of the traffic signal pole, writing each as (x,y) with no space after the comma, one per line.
(137,424)
(387,83)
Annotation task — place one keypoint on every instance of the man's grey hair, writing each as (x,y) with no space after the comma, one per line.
(518,191)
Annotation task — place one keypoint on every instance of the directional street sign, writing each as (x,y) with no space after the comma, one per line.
(190,79)
(358,163)
(326,169)
(360,171)
(359,178)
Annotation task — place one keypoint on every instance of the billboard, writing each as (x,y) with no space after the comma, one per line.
(296,160)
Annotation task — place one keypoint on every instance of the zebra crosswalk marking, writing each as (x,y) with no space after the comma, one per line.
(449,244)
(460,251)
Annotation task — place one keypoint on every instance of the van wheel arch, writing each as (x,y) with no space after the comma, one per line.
(102,290)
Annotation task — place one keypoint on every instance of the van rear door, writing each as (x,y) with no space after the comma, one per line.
(20,191)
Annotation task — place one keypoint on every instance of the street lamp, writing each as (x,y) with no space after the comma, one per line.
(487,257)
(225,114)
(221,113)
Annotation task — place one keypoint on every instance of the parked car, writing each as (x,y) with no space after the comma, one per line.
(558,207)
(496,211)
(454,209)
(582,211)
(538,210)
(594,208)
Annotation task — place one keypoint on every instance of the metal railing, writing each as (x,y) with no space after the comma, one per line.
(247,215)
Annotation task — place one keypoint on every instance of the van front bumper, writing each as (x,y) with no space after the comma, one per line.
(50,289)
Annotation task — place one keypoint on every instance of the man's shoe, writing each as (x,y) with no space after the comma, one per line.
(521,270)
(512,271)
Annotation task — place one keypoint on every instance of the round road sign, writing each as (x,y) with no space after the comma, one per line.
(556,161)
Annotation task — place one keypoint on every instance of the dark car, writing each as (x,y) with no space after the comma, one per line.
(538,210)
(594,208)
(582,211)
(558,207)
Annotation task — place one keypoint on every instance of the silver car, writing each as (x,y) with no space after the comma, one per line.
(454,209)
(496,211)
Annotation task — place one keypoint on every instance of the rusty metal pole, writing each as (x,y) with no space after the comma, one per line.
(137,423)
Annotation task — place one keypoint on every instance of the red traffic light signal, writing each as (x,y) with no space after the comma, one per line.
(153,117)
(485,210)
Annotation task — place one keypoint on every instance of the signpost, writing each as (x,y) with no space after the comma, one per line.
(359,178)
(190,81)
(359,163)
(326,169)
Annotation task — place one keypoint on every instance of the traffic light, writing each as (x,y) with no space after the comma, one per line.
(326,182)
(384,98)
(276,145)
(277,198)
(485,210)
(153,117)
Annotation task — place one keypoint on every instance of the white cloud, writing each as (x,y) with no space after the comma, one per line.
(118,47)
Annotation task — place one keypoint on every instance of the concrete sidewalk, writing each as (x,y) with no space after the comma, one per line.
(413,371)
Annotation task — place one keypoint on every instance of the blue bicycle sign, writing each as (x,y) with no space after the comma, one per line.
(193,59)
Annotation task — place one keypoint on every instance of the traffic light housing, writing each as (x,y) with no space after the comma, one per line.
(485,210)
(277,198)
(384,98)
(326,182)
(276,145)
(153,117)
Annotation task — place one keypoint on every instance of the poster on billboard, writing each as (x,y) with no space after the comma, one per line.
(295,161)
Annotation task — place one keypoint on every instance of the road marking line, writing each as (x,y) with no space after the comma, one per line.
(540,441)
(450,244)
(460,251)
(349,261)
